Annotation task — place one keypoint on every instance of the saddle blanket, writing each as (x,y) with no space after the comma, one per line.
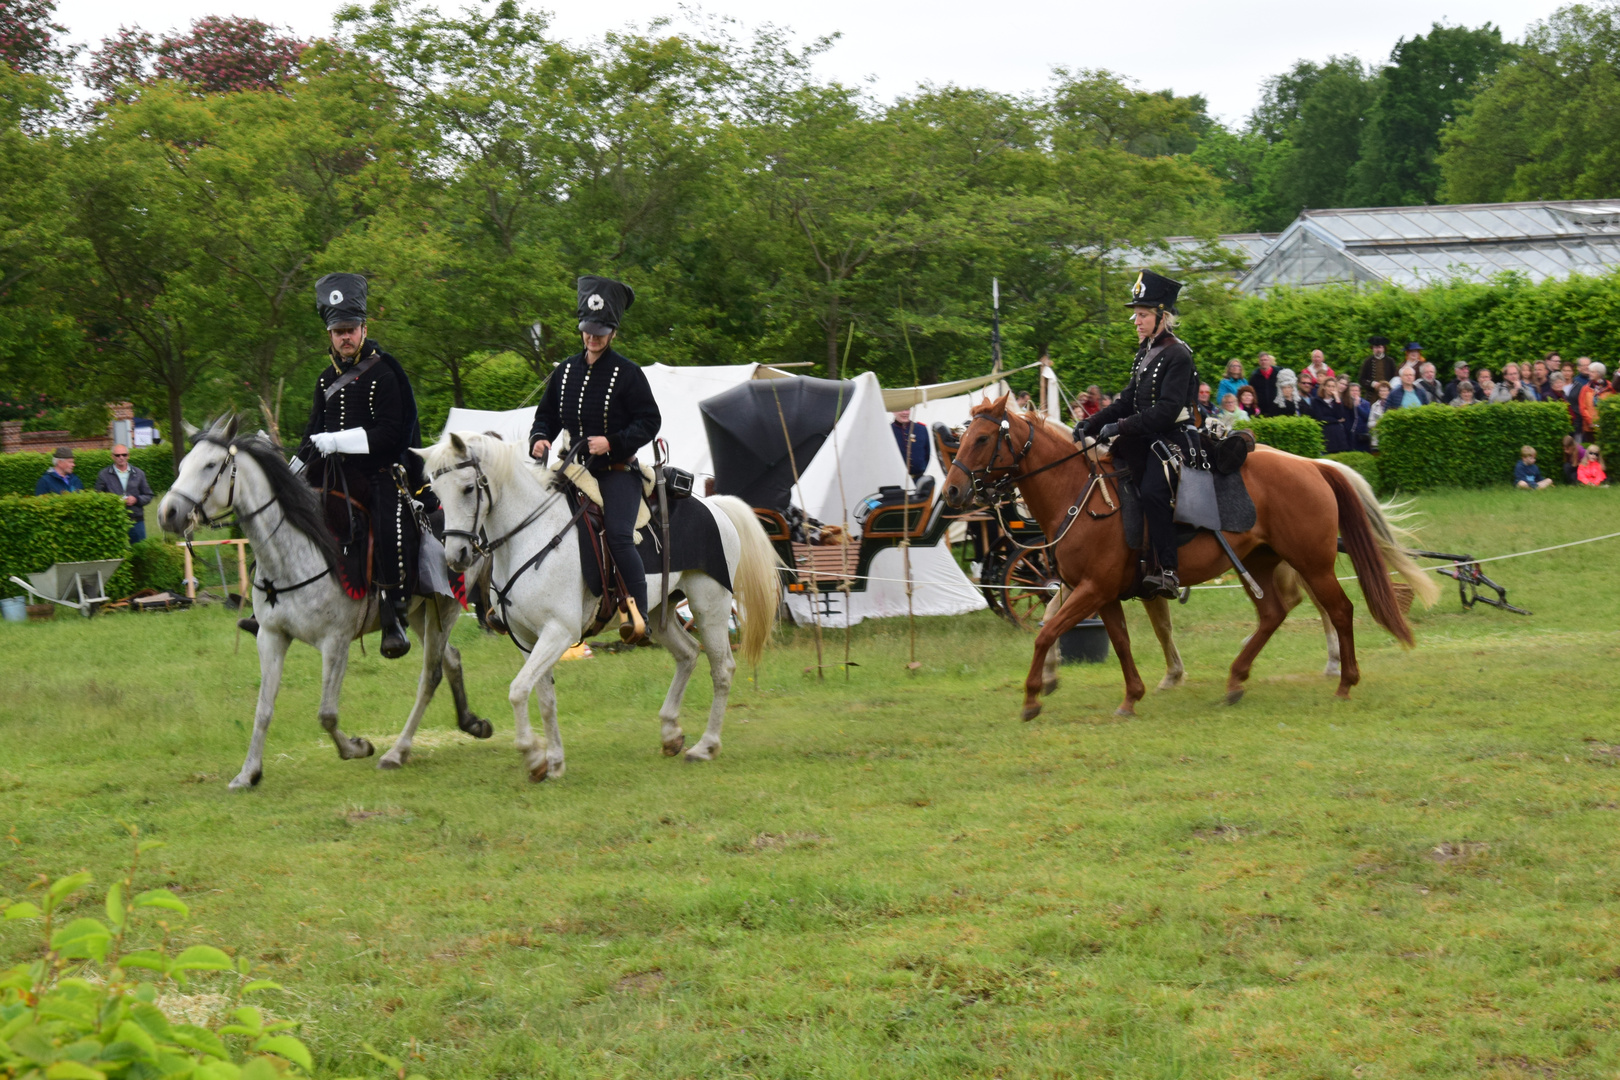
(1203,501)
(694,544)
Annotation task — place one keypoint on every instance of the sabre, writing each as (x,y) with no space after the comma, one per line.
(660,453)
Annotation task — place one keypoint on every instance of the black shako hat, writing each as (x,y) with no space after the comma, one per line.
(340,300)
(1155,291)
(602,303)
(1384,341)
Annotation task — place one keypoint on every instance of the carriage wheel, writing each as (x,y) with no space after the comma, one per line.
(990,577)
(1031,585)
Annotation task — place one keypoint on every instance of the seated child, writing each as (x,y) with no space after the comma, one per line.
(1526,474)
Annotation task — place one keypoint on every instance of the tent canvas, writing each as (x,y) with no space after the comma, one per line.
(863,442)
(760,430)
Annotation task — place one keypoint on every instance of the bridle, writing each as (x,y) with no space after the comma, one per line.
(477,537)
(197,516)
(994,492)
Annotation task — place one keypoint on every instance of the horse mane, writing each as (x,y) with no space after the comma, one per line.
(300,504)
(499,459)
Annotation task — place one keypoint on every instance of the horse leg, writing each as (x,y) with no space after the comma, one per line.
(712,607)
(1081,602)
(1328,594)
(273,646)
(1335,660)
(1158,613)
(1119,635)
(1049,671)
(334,663)
(432,634)
(684,648)
(545,760)
(1271,612)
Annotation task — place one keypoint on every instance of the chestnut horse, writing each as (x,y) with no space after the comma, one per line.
(1302,507)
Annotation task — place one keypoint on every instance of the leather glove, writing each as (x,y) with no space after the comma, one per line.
(1079,432)
(1109,431)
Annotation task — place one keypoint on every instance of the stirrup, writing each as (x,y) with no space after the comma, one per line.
(1165,584)
(633,628)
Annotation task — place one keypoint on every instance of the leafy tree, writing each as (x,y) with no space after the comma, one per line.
(1547,124)
(1429,78)
(30,43)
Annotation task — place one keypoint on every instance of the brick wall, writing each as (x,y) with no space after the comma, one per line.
(14,440)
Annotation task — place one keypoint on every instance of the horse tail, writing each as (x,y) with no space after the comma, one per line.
(1367,558)
(755,584)
(1395,538)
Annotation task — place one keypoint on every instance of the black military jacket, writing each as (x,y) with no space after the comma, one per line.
(1163,385)
(610,397)
(380,401)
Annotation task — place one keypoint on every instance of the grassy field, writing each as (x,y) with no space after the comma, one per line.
(894,877)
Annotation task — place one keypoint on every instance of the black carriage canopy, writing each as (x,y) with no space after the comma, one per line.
(746,440)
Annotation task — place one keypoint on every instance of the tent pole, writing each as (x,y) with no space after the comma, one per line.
(815,616)
(843,500)
(905,514)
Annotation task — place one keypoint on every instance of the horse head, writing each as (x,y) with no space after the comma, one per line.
(456,467)
(197,494)
(979,457)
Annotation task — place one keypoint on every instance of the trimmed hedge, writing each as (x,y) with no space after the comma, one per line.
(1294,434)
(1365,464)
(1442,446)
(1608,433)
(36,532)
(154,563)
(20,472)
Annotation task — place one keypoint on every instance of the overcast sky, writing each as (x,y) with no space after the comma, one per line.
(1222,50)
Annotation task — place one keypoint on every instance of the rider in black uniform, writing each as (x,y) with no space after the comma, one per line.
(605,400)
(361,423)
(1150,416)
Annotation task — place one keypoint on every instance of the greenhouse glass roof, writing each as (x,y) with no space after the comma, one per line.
(1412,246)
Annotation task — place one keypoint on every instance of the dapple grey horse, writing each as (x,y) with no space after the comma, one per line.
(296,592)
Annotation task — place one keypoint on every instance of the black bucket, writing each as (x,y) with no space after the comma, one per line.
(1087,643)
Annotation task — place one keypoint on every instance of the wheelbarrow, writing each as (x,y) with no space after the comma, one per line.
(78,585)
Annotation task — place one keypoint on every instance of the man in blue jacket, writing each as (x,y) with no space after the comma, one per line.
(912,441)
(59,478)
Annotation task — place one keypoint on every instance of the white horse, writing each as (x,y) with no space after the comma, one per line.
(500,506)
(296,593)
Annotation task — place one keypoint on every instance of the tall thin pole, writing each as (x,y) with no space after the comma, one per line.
(995,329)
(905,510)
(815,616)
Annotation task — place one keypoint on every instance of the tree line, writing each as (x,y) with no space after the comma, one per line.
(166,201)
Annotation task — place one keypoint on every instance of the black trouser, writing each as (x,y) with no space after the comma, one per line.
(1136,453)
(621,501)
(393,530)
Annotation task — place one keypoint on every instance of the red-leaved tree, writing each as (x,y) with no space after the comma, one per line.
(217,55)
(29,40)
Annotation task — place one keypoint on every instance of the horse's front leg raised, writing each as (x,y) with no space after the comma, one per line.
(334,663)
(546,760)
(1081,603)
(272,657)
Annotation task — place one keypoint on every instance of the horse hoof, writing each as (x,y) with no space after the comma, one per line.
(363,748)
(539,773)
(1049,688)
(673,746)
(1234,696)
(1031,711)
(393,760)
(477,726)
(1342,695)
(238,784)
(1124,710)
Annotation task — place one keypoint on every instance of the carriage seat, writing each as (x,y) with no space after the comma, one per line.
(891,514)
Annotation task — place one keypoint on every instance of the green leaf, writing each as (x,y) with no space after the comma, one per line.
(199,1039)
(250,1016)
(201,958)
(392,1062)
(115,904)
(150,959)
(23,910)
(260,984)
(217,1070)
(131,1032)
(288,1047)
(65,887)
(82,939)
(162,898)
(260,1069)
(148,845)
(72,1070)
(152,1021)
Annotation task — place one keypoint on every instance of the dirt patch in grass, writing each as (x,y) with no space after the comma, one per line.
(1456,851)
(640,982)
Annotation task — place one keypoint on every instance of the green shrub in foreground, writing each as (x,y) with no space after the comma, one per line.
(87,1009)
(1442,446)
(1295,434)
(156,564)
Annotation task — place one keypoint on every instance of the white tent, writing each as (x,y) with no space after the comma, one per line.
(861,453)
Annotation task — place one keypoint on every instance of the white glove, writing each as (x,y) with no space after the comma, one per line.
(348,441)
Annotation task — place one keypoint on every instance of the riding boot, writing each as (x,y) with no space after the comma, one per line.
(394,642)
(250,624)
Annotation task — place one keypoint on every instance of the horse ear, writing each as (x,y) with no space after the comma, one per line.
(999,406)
(458,444)
(230,427)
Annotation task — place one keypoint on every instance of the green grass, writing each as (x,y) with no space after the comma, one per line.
(894,877)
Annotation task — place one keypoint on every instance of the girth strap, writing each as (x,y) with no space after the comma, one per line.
(502,592)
